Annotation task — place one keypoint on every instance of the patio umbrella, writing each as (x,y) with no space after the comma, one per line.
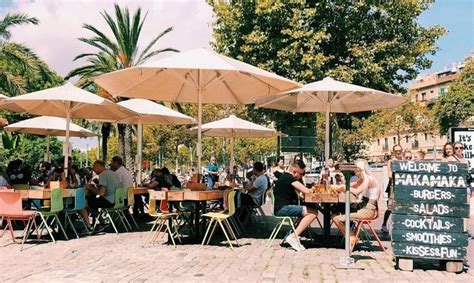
(48,126)
(196,76)
(151,113)
(66,101)
(329,95)
(2,97)
(233,127)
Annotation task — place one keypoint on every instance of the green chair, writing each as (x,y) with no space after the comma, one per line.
(219,218)
(116,210)
(52,212)
(280,221)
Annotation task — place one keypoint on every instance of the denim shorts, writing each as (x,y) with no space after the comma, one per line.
(290,210)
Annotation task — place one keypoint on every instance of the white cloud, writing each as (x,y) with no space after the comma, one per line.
(55,38)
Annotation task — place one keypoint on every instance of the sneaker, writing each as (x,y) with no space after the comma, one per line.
(294,243)
(85,231)
(384,229)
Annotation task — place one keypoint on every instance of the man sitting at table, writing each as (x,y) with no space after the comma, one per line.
(254,194)
(102,195)
(286,201)
(126,178)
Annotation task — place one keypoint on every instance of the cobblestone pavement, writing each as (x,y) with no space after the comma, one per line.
(121,258)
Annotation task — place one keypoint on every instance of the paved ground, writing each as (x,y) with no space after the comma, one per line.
(112,258)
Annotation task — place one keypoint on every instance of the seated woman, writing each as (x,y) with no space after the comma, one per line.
(367,186)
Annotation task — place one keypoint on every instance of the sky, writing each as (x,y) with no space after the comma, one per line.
(55,39)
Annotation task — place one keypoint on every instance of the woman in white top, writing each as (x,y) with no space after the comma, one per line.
(367,186)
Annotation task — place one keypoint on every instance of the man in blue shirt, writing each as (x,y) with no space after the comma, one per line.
(253,196)
(212,172)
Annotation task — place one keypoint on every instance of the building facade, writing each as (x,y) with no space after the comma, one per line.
(425,90)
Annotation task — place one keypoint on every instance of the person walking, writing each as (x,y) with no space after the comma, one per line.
(397,151)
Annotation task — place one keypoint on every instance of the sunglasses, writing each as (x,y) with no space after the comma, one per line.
(397,151)
(458,147)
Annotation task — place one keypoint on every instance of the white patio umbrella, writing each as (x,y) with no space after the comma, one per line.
(66,101)
(196,76)
(2,97)
(329,95)
(48,126)
(233,127)
(151,113)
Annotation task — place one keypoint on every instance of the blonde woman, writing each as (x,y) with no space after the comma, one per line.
(369,188)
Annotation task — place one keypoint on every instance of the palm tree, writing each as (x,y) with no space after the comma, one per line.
(114,53)
(16,60)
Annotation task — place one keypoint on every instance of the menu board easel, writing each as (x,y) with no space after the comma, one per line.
(430,212)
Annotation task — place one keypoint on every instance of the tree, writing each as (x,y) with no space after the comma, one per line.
(17,61)
(457,106)
(377,44)
(120,51)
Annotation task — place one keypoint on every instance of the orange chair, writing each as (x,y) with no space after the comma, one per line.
(11,210)
(361,222)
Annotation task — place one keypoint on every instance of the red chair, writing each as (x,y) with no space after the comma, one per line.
(361,222)
(11,210)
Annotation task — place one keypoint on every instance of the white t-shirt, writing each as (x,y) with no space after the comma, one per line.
(126,179)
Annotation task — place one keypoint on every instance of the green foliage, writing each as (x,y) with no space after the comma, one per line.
(411,119)
(377,44)
(10,142)
(18,63)
(30,149)
(457,106)
(118,52)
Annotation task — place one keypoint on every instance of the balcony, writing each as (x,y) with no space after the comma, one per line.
(415,145)
(385,147)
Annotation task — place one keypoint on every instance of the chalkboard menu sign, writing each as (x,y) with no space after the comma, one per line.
(430,209)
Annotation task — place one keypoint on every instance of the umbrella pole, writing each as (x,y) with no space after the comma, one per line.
(199,144)
(232,161)
(66,153)
(48,141)
(326,144)
(139,152)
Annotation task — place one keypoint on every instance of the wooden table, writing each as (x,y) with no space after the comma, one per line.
(199,199)
(325,201)
(44,194)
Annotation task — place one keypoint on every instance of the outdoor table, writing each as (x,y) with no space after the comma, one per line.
(44,194)
(325,201)
(198,198)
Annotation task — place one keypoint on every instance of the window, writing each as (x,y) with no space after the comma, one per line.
(378,142)
(394,140)
(426,137)
(385,143)
(407,139)
(423,96)
(442,90)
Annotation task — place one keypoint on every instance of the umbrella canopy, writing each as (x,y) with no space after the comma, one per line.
(48,126)
(329,95)
(196,76)
(3,96)
(232,127)
(66,101)
(338,96)
(58,101)
(151,113)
